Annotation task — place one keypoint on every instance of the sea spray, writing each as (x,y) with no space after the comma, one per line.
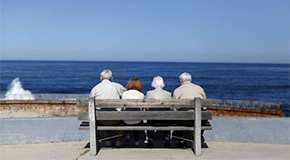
(16,91)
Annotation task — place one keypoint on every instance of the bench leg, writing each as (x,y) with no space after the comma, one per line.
(196,145)
(94,143)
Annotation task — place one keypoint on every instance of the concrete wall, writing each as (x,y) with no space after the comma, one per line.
(42,107)
(225,129)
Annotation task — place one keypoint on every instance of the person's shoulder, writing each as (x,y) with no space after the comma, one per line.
(178,88)
(167,92)
(96,86)
(117,84)
(197,86)
(150,92)
(140,93)
(126,92)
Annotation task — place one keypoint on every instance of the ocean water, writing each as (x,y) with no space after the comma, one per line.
(253,82)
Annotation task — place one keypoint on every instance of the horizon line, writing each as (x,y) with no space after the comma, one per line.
(142,61)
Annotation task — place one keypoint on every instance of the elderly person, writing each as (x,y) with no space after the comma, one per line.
(108,90)
(134,91)
(158,93)
(188,90)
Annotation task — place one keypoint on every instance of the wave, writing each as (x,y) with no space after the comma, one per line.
(16,91)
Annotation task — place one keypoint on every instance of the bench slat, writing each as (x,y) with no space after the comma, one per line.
(85,116)
(147,103)
(142,128)
(150,115)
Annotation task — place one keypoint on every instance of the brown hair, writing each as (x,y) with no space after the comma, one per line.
(134,83)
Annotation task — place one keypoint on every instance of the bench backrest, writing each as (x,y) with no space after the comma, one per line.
(155,110)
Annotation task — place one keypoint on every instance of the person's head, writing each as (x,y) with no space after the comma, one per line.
(106,74)
(157,82)
(134,83)
(184,77)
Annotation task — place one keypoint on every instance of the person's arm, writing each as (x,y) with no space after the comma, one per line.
(203,94)
(203,97)
(93,93)
(120,89)
(175,97)
(148,95)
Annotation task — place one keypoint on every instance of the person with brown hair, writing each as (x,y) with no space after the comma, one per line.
(134,88)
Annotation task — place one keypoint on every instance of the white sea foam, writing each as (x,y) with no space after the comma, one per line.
(16,91)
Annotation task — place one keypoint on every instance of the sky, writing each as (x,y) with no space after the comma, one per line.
(246,31)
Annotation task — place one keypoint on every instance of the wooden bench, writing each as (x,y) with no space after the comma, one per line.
(187,110)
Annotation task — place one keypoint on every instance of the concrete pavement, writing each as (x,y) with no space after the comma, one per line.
(225,129)
(76,151)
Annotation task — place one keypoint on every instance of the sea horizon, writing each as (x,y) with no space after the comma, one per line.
(142,61)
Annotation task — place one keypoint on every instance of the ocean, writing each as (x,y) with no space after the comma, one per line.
(236,81)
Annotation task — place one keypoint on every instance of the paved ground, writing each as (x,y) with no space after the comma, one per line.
(76,150)
(64,129)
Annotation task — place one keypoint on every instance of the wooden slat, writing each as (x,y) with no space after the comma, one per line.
(150,115)
(160,128)
(145,103)
(84,115)
(82,104)
(142,128)
(171,106)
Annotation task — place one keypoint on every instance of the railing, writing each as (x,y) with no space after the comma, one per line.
(210,102)
(244,104)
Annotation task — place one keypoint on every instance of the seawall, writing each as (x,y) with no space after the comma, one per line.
(225,129)
(48,108)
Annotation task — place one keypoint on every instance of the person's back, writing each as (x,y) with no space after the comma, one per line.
(158,93)
(107,90)
(189,90)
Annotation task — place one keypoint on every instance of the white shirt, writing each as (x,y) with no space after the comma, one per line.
(107,90)
(132,94)
(158,93)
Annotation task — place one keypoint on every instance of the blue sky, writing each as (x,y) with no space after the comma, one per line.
(149,30)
